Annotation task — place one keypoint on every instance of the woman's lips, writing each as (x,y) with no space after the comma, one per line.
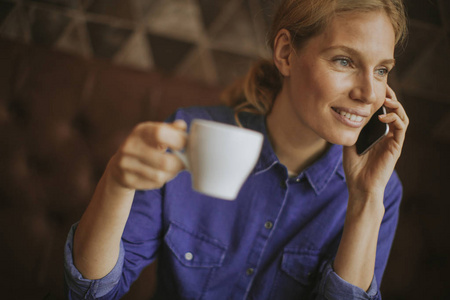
(350,118)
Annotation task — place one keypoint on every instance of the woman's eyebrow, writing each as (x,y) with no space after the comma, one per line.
(343,48)
(353,52)
(389,61)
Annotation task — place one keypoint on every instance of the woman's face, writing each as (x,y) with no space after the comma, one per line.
(339,78)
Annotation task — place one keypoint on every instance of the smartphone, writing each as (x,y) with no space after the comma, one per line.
(372,133)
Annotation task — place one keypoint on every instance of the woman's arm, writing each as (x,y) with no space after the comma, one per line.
(141,163)
(355,259)
(367,177)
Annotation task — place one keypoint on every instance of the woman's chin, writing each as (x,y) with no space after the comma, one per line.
(344,140)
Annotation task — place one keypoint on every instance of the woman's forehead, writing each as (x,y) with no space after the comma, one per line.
(361,30)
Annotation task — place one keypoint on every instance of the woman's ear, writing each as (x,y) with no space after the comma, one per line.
(282,50)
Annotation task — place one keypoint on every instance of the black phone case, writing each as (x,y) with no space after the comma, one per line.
(372,133)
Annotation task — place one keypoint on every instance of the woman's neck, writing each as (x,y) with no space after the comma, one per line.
(295,145)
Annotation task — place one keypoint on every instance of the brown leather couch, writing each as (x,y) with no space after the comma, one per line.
(61,119)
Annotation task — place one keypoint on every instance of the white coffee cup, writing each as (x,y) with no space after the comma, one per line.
(220,157)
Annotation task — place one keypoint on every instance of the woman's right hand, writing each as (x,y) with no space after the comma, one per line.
(142,163)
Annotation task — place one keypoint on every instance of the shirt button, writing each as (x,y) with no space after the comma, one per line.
(250,271)
(188,256)
(268,225)
(297,180)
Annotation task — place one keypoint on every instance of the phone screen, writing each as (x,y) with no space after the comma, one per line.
(372,133)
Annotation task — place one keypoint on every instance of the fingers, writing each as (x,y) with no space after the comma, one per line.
(182,127)
(396,116)
(180,124)
(390,93)
(394,120)
(133,171)
(158,160)
(142,162)
(394,105)
(162,134)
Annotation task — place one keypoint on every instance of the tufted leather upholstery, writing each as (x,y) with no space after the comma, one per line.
(61,119)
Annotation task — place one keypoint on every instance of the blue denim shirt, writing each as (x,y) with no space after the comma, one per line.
(277,240)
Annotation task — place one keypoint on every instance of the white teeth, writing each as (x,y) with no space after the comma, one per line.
(350,116)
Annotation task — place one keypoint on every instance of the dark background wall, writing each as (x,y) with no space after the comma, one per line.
(206,44)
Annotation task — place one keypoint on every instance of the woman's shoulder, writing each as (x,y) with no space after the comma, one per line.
(222,113)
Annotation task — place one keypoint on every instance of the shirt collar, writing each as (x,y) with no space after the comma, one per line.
(318,174)
(321,172)
(267,157)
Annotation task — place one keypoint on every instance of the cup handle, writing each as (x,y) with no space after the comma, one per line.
(183,157)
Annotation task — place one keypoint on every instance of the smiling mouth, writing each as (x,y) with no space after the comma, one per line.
(349,116)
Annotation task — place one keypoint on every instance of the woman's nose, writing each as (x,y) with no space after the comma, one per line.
(364,88)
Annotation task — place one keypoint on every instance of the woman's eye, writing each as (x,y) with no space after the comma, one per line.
(343,62)
(382,72)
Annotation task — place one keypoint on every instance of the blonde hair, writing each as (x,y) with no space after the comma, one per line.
(304,19)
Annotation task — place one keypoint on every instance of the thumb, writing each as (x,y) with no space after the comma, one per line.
(180,124)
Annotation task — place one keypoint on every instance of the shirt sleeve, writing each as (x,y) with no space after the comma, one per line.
(81,288)
(138,248)
(333,287)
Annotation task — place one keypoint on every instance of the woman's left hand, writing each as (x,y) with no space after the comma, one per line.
(369,173)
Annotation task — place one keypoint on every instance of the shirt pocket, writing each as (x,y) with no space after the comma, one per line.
(193,259)
(298,273)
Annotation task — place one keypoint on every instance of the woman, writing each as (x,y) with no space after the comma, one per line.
(313,221)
